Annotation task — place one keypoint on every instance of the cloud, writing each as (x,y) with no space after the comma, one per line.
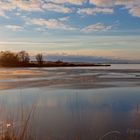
(135,11)
(49,23)
(112,3)
(64,19)
(75,2)
(20,5)
(39,5)
(96,27)
(94,11)
(31,5)
(132,6)
(6,6)
(102,6)
(13,27)
(128,3)
(56,8)
(103,3)
(2,14)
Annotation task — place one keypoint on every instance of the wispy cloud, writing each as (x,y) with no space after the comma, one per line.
(96,27)
(102,6)
(111,3)
(56,8)
(39,5)
(2,14)
(103,3)
(94,11)
(13,27)
(50,23)
(135,11)
(31,5)
(133,6)
(75,2)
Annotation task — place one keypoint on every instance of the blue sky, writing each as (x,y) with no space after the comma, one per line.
(103,28)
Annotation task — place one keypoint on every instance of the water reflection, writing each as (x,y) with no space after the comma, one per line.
(75,114)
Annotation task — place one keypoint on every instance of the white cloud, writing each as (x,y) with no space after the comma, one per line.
(103,3)
(38,5)
(132,6)
(135,11)
(108,3)
(2,14)
(96,27)
(6,6)
(75,2)
(50,23)
(128,3)
(111,3)
(64,19)
(94,11)
(102,6)
(13,27)
(56,8)
(31,5)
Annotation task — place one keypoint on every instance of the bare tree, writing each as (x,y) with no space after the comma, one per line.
(24,57)
(39,58)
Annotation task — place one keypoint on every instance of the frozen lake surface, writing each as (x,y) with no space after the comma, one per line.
(93,77)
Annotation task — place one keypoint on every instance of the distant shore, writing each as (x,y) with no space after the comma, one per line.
(58,64)
(23,59)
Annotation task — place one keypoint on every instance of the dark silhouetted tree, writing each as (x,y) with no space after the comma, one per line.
(39,59)
(8,58)
(24,57)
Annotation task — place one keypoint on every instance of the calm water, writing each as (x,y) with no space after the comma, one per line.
(73,111)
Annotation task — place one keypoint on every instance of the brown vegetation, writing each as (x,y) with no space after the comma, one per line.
(8,58)
(9,131)
(22,59)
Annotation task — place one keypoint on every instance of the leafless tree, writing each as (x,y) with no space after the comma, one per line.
(24,57)
(39,58)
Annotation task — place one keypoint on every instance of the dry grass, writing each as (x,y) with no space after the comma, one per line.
(9,132)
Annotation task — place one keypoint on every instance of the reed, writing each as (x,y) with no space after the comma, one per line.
(9,131)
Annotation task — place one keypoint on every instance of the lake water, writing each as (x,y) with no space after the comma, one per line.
(73,103)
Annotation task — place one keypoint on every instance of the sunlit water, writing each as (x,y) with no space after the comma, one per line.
(73,103)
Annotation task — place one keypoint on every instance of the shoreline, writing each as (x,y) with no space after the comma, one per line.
(56,64)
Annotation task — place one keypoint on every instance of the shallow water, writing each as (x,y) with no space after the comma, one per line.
(73,104)
(68,114)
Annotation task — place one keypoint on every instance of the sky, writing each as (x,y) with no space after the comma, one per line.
(102,28)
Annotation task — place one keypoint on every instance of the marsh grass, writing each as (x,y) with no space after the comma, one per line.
(10,131)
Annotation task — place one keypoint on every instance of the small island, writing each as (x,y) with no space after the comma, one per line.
(22,59)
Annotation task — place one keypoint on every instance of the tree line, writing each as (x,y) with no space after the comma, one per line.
(22,58)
